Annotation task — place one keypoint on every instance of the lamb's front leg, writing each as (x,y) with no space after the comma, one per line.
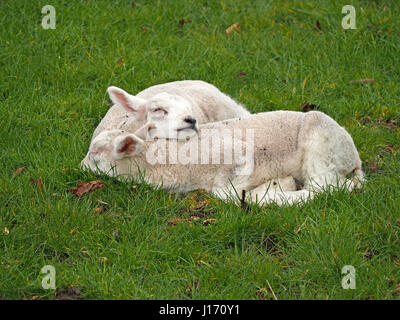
(264,195)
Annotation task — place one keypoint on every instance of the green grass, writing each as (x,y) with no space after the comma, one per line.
(53,95)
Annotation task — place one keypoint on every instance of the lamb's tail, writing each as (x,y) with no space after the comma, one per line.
(358,177)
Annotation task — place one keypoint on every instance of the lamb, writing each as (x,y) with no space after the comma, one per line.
(309,147)
(176,108)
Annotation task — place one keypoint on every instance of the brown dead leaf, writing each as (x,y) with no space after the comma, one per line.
(183,21)
(391,124)
(233,28)
(98,209)
(85,187)
(174,221)
(38,182)
(209,221)
(369,254)
(318,25)
(373,167)
(144,28)
(63,256)
(19,170)
(133,4)
(309,107)
(240,74)
(363,81)
(73,293)
(120,60)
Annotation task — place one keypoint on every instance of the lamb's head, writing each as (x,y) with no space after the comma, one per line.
(171,114)
(110,146)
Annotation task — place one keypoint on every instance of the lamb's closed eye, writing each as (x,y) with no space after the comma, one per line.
(159,110)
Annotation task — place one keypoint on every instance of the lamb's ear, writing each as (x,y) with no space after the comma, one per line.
(129,102)
(127,146)
(144,131)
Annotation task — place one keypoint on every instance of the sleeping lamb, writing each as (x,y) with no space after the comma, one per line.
(175,107)
(229,156)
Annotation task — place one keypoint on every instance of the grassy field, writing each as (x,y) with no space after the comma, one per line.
(129,241)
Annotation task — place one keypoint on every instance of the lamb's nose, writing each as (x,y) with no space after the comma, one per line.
(190,120)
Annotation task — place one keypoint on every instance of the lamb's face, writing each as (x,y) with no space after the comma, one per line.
(108,147)
(171,116)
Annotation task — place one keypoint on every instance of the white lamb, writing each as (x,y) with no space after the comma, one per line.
(176,108)
(310,147)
